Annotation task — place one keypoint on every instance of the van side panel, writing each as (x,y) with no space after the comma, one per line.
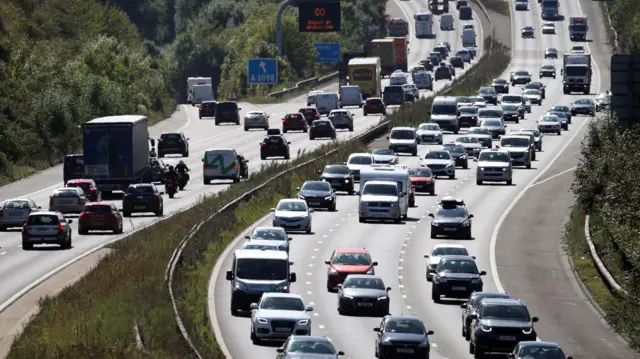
(220,164)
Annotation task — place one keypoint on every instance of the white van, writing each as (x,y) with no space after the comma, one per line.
(311,97)
(356,161)
(326,102)
(350,96)
(469,38)
(202,93)
(423,81)
(446,22)
(220,164)
(380,200)
(398,174)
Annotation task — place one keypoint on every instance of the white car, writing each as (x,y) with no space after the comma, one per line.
(356,161)
(384,156)
(533,95)
(440,162)
(293,215)
(550,124)
(278,316)
(483,135)
(398,78)
(471,144)
(578,49)
(276,235)
(311,97)
(494,165)
(429,133)
(548,28)
(440,250)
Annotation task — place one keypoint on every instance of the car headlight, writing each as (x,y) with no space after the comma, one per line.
(442,280)
(241,286)
(481,168)
(347,297)
(383,298)
(303,322)
(527,331)
(463,157)
(328,198)
(485,328)
(284,288)
(435,224)
(393,205)
(347,180)
(423,344)
(262,321)
(324,180)
(449,165)
(465,224)
(476,281)
(386,342)
(504,169)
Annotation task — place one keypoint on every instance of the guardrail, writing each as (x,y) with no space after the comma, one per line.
(616,45)
(602,269)
(314,81)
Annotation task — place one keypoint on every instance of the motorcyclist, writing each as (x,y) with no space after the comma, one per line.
(172,174)
(152,152)
(182,168)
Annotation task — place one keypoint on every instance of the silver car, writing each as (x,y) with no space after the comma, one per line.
(278,316)
(271,234)
(301,346)
(494,165)
(256,119)
(413,89)
(67,200)
(293,215)
(537,138)
(471,144)
(14,212)
(429,133)
(520,77)
(550,124)
(483,135)
(533,95)
(440,162)
(341,119)
(46,228)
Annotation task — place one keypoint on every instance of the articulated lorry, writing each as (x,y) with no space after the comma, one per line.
(576,74)
(397,27)
(385,50)
(366,72)
(116,151)
(578,28)
(401,47)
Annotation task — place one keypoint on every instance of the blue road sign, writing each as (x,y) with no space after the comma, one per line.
(262,72)
(328,52)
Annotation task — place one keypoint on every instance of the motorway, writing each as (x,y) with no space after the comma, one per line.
(399,248)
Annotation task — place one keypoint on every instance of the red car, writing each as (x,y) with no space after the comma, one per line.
(100,216)
(311,114)
(374,105)
(422,180)
(345,261)
(294,122)
(88,186)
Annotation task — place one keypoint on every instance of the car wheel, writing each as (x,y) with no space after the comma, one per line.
(82,231)
(509,182)
(26,246)
(246,129)
(433,234)
(559,133)
(126,213)
(308,231)
(254,339)
(160,211)
(465,166)
(528,166)
(435,296)
(286,157)
(472,348)
(479,182)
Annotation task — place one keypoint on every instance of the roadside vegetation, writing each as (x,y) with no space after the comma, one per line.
(499,6)
(624,19)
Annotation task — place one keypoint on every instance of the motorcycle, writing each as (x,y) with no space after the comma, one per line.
(182,181)
(170,186)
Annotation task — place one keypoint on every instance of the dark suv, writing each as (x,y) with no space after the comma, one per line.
(274,146)
(228,112)
(208,109)
(172,143)
(142,197)
(456,277)
(499,325)
(339,176)
(471,307)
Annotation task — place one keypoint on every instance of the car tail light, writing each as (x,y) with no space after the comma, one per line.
(92,189)
(155,198)
(25,227)
(125,199)
(50,201)
(312,129)
(358,94)
(201,109)
(282,144)
(263,145)
(233,166)
(83,214)
(60,227)
(284,120)
(317,115)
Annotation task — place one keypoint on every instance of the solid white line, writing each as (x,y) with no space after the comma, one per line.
(188,119)
(554,176)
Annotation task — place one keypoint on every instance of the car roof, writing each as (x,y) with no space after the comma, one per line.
(363,276)
(515,136)
(533,343)
(281,295)
(500,150)
(269,228)
(352,250)
(44,213)
(403,317)
(363,154)
(503,301)
(403,128)
(260,254)
(292,200)
(100,203)
(80,180)
(490,294)
(66,189)
(141,185)
(458,258)
(310,338)
(445,245)
(264,242)
(118,119)
(171,133)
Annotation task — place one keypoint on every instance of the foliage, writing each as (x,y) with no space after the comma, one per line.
(625,19)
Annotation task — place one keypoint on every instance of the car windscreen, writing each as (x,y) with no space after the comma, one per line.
(65,193)
(170,137)
(490,113)
(269,234)
(380,190)
(480,131)
(494,157)
(545,352)
(321,124)
(456,212)
(43,220)
(140,190)
(514,142)
(338,170)
(16,205)
(85,186)
(262,269)
(281,303)
(374,102)
(429,127)
(505,312)
(208,105)
(510,108)
(420,172)
(449,251)
(457,266)
(511,99)
(522,73)
(360,160)
(532,92)
(383,151)
(438,155)
(292,207)
(467,139)
(402,135)
(491,123)
(454,148)
(404,326)
(309,347)
(561,108)
(360,282)
(487,91)
(316,186)
(267,247)
(469,110)
(354,259)
(442,109)
(97,209)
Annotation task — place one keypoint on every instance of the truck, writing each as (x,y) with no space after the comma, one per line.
(576,73)
(469,38)
(343,67)
(550,9)
(435,4)
(116,151)
(397,27)
(578,28)
(193,81)
(366,72)
(385,50)
(401,46)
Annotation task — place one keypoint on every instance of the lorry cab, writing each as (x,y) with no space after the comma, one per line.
(221,163)
(469,37)
(396,174)
(254,272)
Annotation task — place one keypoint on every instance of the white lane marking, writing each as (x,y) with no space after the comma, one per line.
(307,283)
(316,314)
(319,242)
(321,326)
(188,119)
(3,253)
(309,273)
(554,176)
(309,292)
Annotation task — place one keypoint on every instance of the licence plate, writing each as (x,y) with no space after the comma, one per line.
(405,350)
(507,337)
(97,222)
(314,203)
(283,330)
(140,207)
(365,305)
(42,230)
(66,202)
(459,288)
(449,229)
(401,148)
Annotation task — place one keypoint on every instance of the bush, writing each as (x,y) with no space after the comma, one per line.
(624,19)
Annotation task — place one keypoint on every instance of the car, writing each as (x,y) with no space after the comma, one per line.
(512,112)
(297,346)
(520,77)
(533,95)
(564,122)
(73,167)
(279,315)
(256,119)
(275,146)
(142,197)
(411,88)
(157,170)
(603,101)
(494,165)
(470,144)
(294,122)
(471,307)
(294,215)
(173,143)
(339,176)
(440,162)
(547,70)
(227,112)
(458,153)
(520,149)
(548,28)
(261,245)
(458,61)
(510,318)
(532,141)
(402,336)
(374,105)
(46,227)
(489,95)
(363,293)
(537,86)
(500,85)
(322,129)
(398,78)
(438,56)
(346,261)
(384,156)
(429,133)
(537,137)
(537,350)
(318,194)
(15,212)
(578,49)
(522,5)
(461,3)
(550,124)
(88,186)
(274,132)
(244,167)
(468,116)
(583,106)
(422,180)
(440,250)
(100,216)
(417,69)
(443,72)
(456,277)
(207,109)
(527,32)
(310,114)
(483,135)
(442,49)
(465,55)
(275,235)
(342,119)
(550,53)
(403,140)
(445,44)
(493,119)
(451,219)
(67,200)
(356,161)
(472,50)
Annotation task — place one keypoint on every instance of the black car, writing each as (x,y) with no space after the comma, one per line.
(157,171)
(467,116)
(227,112)
(500,85)
(310,114)
(322,129)
(172,143)
(499,325)
(461,3)
(527,32)
(451,219)
(471,307)
(244,167)
(565,109)
(458,153)
(274,146)
(73,167)
(536,86)
(207,109)
(402,337)
(537,350)
(339,177)
(489,94)
(457,61)
(318,194)
(363,293)
(142,197)
(456,277)
(427,64)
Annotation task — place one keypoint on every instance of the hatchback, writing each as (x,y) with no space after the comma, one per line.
(294,122)
(100,216)
(207,109)
(256,119)
(310,114)
(322,129)
(374,105)
(67,200)
(142,197)
(89,188)
(14,212)
(46,228)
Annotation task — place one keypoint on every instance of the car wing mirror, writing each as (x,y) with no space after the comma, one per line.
(374,263)
(120,209)
(70,221)
(272,210)
(430,332)
(288,143)
(311,210)
(327,262)
(388,289)
(247,237)
(470,216)
(475,160)
(431,215)
(289,239)
(535,319)
(341,353)
(161,193)
(483,273)
(39,207)
(427,256)
(253,306)
(229,275)
(376,329)
(280,350)
(463,305)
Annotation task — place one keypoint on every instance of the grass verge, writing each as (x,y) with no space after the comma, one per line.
(499,6)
